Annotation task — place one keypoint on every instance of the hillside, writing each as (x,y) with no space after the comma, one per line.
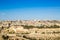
(30,30)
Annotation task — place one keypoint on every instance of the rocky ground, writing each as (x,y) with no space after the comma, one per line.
(30,30)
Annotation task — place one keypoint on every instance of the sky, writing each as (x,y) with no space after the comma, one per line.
(29,9)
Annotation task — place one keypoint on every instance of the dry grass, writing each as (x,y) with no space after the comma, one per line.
(44,34)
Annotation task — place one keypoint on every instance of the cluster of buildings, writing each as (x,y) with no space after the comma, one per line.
(29,22)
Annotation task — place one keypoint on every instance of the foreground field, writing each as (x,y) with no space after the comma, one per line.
(45,34)
(30,30)
(34,34)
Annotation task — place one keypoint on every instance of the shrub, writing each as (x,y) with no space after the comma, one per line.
(5,37)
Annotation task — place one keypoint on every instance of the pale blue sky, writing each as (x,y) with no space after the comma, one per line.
(32,9)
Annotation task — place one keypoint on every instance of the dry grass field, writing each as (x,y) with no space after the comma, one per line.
(11,31)
(45,34)
(39,34)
